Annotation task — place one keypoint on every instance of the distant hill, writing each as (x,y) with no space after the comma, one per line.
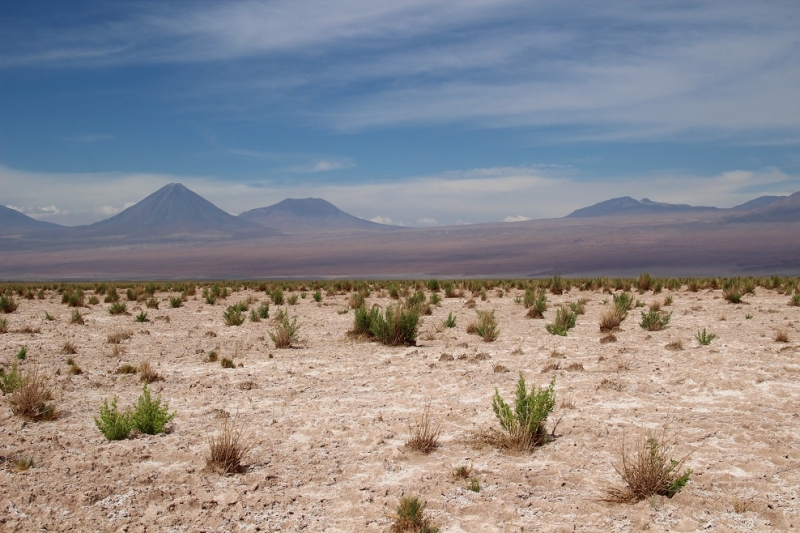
(11,219)
(786,209)
(172,210)
(308,215)
(761,201)
(630,206)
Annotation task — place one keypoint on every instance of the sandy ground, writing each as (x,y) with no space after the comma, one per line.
(329,419)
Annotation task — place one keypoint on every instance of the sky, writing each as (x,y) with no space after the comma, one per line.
(420,113)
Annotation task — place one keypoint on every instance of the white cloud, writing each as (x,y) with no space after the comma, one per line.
(108,210)
(39,212)
(427,221)
(518,218)
(387,221)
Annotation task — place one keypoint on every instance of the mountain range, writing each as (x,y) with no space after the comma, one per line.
(757,236)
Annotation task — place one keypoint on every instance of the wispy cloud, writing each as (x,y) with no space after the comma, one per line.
(40,212)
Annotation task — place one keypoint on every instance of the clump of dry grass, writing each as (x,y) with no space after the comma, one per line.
(118,336)
(781,336)
(31,400)
(649,469)
(147,373)
(410,517)
(126,369)
(675,346)
(424,432)
(610,320)
(69,348)
(575,367)
(228,449)
(608,338)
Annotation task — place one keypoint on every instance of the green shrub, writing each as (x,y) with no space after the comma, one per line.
(317,296)
(117,308)
(795,300)
(285,333)
(22,353)
(175,302)
(73,298)
(152,303)
(113,424)
(7,303)
(623,302)
(704,338)
(234,314)
(396,326)
(654,320)
(76,318)
(149,416)
(524,427)
(142,317)
(486,327)
(556,285)
(48,316)
(3,325)
(450,321)
(11,381)
(409,517)
(292,300)
(363,319)
(435,298)
(111,295)
(277,296)
(565,320)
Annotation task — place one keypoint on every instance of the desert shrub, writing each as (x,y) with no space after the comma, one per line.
(234,314)
(654,320)
(564,321)
(149,416)
(424,433)
(357,299)
(175,302)
(225,362)
(292,300)
(111,295)
(22,353)
(126,369)
(76,318)
(396,326)
(486,326)
(556,285)
(142,317)
(781,336)
(450,321)
(73,298)
(579,307)
(7,303)
(113,424)
(704,338)
(794,301)
(410,517)
(623,302)
(118,336)
(644,282)
(117,308)
(732,291)
(435,299)
(524,427)
(277,296)
(3,325)
(610,320)
(285,333)
(535,302)
(11,381)
(317,296)
(228,449)
(152,303)
(363,318)
(451,292)
(433,285)
(648,469)
(31,399)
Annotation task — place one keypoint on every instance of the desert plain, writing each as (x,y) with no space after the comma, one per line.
(329,418)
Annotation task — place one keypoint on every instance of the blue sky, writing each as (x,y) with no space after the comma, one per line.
(415,112)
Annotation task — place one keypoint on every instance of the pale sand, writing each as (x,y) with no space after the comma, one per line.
(330,417)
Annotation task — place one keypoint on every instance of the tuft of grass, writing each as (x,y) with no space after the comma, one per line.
(212,356)
(3,325)
(285,333)
(564,321)
(32,398)
(611,319)
(485,327)
(118,336)
(410,517)
(94,300)
(228,449)
(149,416)
(22,353)
(450,321)
(21,464)
(48,316)
(7,303)
(142,317)
(152,303)
(11,381)
(317,296)
(536,303)
(424,433)
(781,336)
(676,345)
(227,363)
(112,423)
(292,300)
(277,296)
(117,308)
(175,302)
(462,472)
(69,348)
(147,373)
(234,314)
(648,469)
(524,425)
(76,318)
(654,320)
(126,369)
(794,301)
(704,338)
(579,307)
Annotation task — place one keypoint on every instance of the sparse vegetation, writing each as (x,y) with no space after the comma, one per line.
(424,433)
(485,326)
(450,321)
(142,317)
(32,398)
(781,336)
(226,362)
(175,302)
(76,318)
(317,296)
(234,314)
(118,308)
(229,448)
(11,381)
(285,333)
(524,426)
(396,326)
(410,517)
(564,321)
(7,303)
(118,336)
(147,373)
(149,416)
(112,423)
(654,320)
(535,302)
(704,338)
(22,353)
(277,296)
(648,469)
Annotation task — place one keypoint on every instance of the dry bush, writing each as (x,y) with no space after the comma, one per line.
(462,472)
(69,348)
(610,320)
(31,400)
(608,338)
(575,367)
(551,367)
(648,468)
(781,336)
(675,345)
(410,517)
(126,369)
(424,433)
(118,336)
(228,449)
(147,373)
